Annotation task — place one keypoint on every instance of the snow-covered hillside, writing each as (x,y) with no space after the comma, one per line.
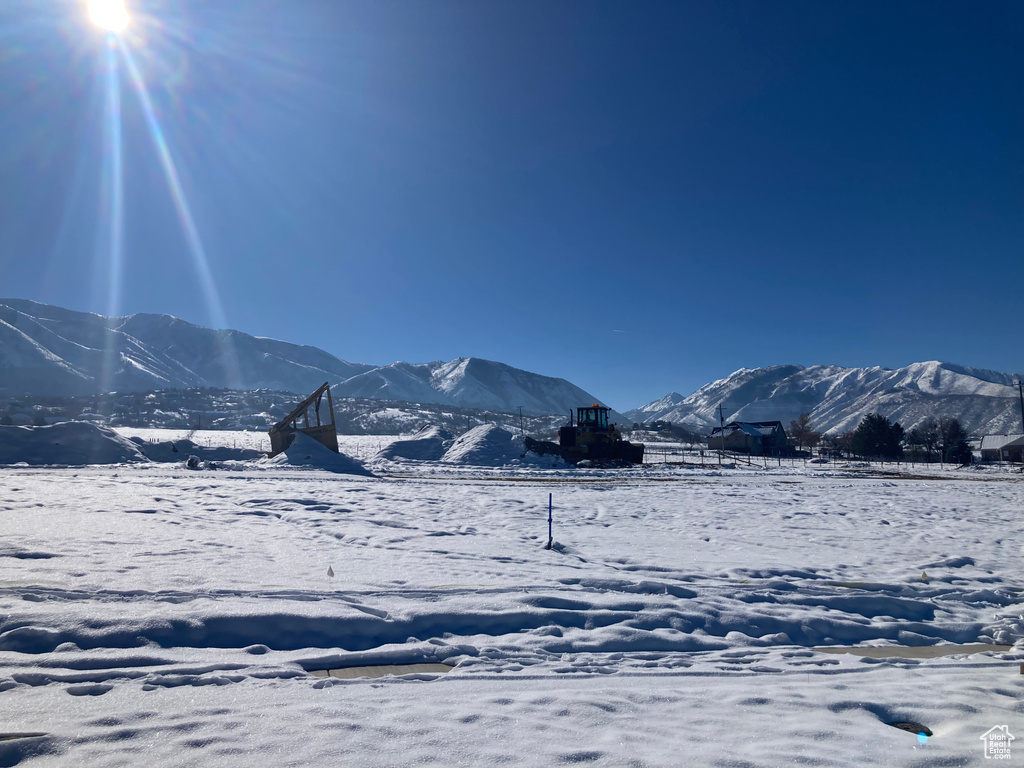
(838,398)
(47,350)
(469,382)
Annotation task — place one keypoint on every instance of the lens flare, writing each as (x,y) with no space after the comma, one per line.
(110,15)
(185,218)
(121,65)
(113,205)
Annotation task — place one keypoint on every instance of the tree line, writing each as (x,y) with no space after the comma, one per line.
(934,439)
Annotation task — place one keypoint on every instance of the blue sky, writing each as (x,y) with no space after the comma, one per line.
(637,197)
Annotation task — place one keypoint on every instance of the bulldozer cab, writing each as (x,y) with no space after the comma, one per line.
(592,419)
(591,438)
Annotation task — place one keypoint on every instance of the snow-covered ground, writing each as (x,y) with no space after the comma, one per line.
(160,615)
(357,446)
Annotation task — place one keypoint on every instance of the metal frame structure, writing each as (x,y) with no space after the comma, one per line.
(283,433)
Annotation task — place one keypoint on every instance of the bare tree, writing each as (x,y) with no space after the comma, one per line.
(838,443)
(802,432)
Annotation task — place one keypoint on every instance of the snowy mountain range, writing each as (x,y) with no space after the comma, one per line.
(837,398)
(54,351)
(47,350)
(468,382)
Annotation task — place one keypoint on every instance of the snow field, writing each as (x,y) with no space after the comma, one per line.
(151,611)
(357,446)
(797,719)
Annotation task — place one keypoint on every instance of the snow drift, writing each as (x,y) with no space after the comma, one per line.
(429,444)
(69,443)
(491,446)
(307,453)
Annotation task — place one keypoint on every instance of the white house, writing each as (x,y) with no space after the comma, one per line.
(1002,447)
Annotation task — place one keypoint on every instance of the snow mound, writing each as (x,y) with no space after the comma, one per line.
(180,450)
(491,446)
(69,442)
(429,444)
(308,453)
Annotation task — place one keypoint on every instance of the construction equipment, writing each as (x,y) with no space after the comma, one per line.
(283,433)
(592,439)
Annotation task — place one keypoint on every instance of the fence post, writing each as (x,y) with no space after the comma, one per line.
(550,537)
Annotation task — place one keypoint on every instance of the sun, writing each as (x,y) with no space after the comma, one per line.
(110,15)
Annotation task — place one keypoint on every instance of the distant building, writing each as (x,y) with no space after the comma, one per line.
(758,438)
(1002,447)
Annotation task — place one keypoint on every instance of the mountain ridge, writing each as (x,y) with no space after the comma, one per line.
(837,398)
(50,350)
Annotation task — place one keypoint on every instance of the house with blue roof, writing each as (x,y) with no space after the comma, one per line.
(757,438)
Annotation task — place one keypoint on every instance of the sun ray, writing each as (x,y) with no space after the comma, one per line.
(196,249)
(113,202)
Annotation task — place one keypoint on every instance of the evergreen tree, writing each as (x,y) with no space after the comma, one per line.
(953,438)
(926,437)
(877,436)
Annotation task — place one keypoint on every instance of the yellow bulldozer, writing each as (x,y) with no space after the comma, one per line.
(590,438)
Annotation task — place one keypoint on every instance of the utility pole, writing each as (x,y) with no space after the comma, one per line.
(1020,391)
(521,430)
(721,434)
